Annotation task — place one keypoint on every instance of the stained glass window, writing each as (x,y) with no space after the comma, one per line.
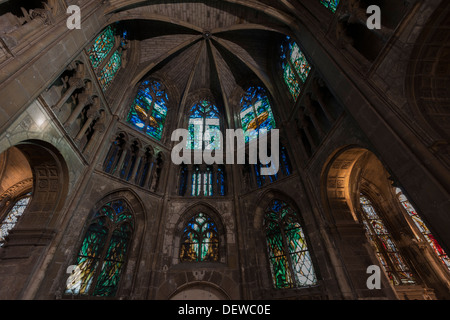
(290,260)
(208,182)
(103,252)
(390,258)
(256,113)
(148,111)
(204,127)
(13,216)
(420,224)
(103,44)
(221,180)
(295,66)
(200,240)
(330,4)
(109,71)
(196,182)
(106,56)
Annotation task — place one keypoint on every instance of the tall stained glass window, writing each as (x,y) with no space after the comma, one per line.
(204,127)
(330,4)
(12,216)
(208,182)
(420,224)
(390,258)
(102,256)
(295,66)
(103,44)
(109,71)
(290,260)
(105,55)
(196,182)
(200,240)
(148,111)
(256,113)
(221,180)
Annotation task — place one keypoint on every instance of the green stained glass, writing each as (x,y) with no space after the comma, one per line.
(290,261)
(394,264)
(103,252)
(330,4)
(299,62)
(102,46)
(200,241)
(291,81)
(109,71)
(295,66)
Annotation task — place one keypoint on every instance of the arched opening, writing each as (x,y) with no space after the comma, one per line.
(200,291)
(38,168)
(373,229)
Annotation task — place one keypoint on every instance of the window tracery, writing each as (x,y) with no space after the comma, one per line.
(394,264)
(204,126)
(13,215)
(289,258)
(256,113)
(106,54)
(200,241)
(148,111)
(422,227)
(295,66)
(103,253)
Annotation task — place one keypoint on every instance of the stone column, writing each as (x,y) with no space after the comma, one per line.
(92,114)
(139,157)
(99,128)
(74,83)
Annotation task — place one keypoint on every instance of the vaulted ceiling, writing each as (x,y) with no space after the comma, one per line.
(215,46)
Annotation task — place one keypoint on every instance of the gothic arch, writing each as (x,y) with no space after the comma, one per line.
(265,277)
(135,246)
(200,291)
(191,212)
(354,175)
(427,83)
(36,229)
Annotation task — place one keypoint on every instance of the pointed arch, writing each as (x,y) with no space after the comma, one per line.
(201,235)
(148,111)
(112,235)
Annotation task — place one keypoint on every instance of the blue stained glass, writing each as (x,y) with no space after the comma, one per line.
(221,180)
(330,4)
(149,109)
(200,240)
(256,113)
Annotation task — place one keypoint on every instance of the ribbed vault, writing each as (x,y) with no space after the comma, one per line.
(199,46)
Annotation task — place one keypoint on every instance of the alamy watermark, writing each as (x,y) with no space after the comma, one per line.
(257,149)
